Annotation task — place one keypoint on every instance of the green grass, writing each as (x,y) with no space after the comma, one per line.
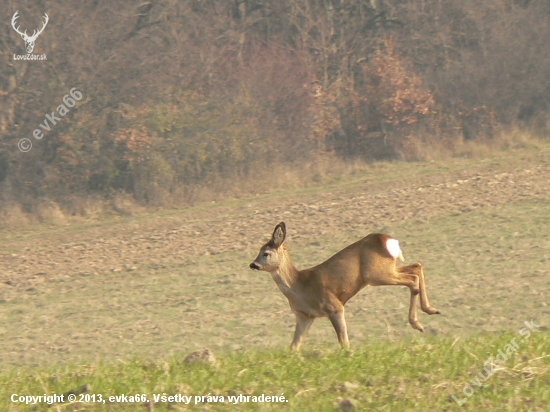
(412,375)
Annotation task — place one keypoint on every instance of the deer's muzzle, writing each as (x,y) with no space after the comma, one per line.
(254,266)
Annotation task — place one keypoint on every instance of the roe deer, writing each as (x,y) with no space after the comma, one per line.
(323,290)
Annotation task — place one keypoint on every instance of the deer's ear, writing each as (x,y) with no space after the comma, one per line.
(279,234)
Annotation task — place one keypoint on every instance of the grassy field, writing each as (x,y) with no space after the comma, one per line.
(117,304)
(413,375)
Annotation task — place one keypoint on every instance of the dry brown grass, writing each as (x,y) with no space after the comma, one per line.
(430,149)
(261,180)
(12,216)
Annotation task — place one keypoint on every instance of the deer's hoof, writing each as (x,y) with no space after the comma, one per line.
(416,325)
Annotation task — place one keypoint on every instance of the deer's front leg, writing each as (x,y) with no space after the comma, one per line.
(339,322)
(303,323)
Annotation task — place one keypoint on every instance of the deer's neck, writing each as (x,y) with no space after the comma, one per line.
(287,274)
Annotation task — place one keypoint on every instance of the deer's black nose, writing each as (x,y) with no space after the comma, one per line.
(254,266)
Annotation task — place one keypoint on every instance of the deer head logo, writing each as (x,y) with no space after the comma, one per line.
(29,40)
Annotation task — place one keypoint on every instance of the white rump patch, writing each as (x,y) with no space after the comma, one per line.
(392,245)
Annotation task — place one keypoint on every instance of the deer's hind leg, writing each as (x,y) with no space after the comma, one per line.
(404,278)
(399,278)
(412,313)
(416,269)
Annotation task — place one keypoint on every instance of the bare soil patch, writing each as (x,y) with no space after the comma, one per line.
(164,240)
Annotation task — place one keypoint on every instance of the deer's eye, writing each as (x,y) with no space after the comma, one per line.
(266,254)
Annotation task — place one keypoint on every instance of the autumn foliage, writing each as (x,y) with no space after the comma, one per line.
(183,94)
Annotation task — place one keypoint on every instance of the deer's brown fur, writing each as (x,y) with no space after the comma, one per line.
(323,290)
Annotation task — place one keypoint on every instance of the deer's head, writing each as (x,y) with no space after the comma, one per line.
(29,40)
(271,253)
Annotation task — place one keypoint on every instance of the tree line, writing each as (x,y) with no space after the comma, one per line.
(179,93)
